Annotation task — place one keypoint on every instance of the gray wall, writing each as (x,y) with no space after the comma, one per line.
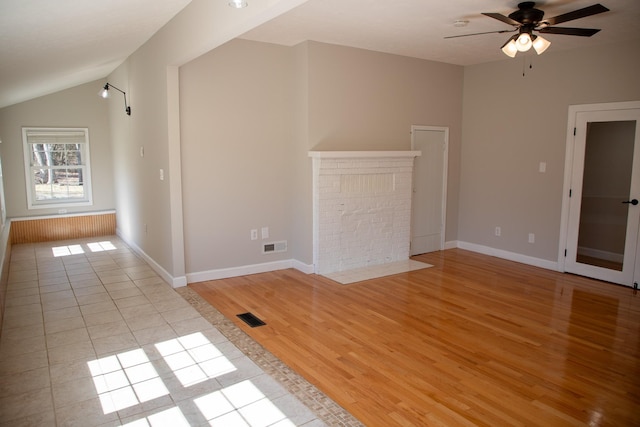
(322,97)
(76,107)
(364,100)
(149,211)
(237,138)
(250,112)
(511,123)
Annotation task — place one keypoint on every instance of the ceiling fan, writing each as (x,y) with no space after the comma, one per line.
(528,19)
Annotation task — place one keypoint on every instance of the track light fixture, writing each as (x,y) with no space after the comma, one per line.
(104,93)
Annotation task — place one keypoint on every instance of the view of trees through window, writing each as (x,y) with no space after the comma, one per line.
(57,162)
(57,171)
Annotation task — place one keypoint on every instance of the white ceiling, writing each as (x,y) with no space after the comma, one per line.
(417,28)
(49,45)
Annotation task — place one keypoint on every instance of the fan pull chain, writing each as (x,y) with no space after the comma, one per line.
(524,66)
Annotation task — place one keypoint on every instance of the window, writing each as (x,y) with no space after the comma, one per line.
(57,167)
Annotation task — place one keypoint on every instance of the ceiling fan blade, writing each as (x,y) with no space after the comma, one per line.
(577,14)
(583,32)
(501,17)
(477,34)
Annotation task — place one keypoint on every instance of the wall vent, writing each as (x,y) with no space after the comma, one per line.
(273,247)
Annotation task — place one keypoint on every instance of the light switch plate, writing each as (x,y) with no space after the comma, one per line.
(543,167)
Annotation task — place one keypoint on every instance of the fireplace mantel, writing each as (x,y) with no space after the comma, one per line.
(361,208)
(362,154)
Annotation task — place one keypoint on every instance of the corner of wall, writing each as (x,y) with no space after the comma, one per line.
(5,256)
(174,282)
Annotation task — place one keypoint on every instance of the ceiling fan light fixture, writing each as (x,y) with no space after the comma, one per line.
(510,48)
(540,44)
(524,42)
(528,19)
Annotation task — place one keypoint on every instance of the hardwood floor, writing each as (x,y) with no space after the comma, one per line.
(474,340)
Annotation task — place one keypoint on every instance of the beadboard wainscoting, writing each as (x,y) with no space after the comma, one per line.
(73,226)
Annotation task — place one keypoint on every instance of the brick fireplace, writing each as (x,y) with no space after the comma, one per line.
(361,208)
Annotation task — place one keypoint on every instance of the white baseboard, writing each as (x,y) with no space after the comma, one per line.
(597,253)
(175,282)
(451,245)
(511,256)
(221,273)
(224,273)
(305,268)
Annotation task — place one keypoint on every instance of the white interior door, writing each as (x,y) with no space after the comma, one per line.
(604,212)
(429,188)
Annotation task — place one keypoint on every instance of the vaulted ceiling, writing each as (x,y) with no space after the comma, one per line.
(47,46)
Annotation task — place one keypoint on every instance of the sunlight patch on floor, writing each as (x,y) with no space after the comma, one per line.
(68,250)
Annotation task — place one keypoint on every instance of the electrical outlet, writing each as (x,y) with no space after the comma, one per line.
(498,231)
(532,238)
(265,232)
(254,234)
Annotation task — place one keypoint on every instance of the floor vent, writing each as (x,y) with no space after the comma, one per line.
(251,320)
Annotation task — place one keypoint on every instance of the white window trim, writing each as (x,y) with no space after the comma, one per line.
(32,203)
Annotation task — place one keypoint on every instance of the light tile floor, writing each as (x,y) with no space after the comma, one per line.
(93,337)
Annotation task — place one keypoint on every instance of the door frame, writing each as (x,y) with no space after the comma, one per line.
(445,174)
(568,172)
